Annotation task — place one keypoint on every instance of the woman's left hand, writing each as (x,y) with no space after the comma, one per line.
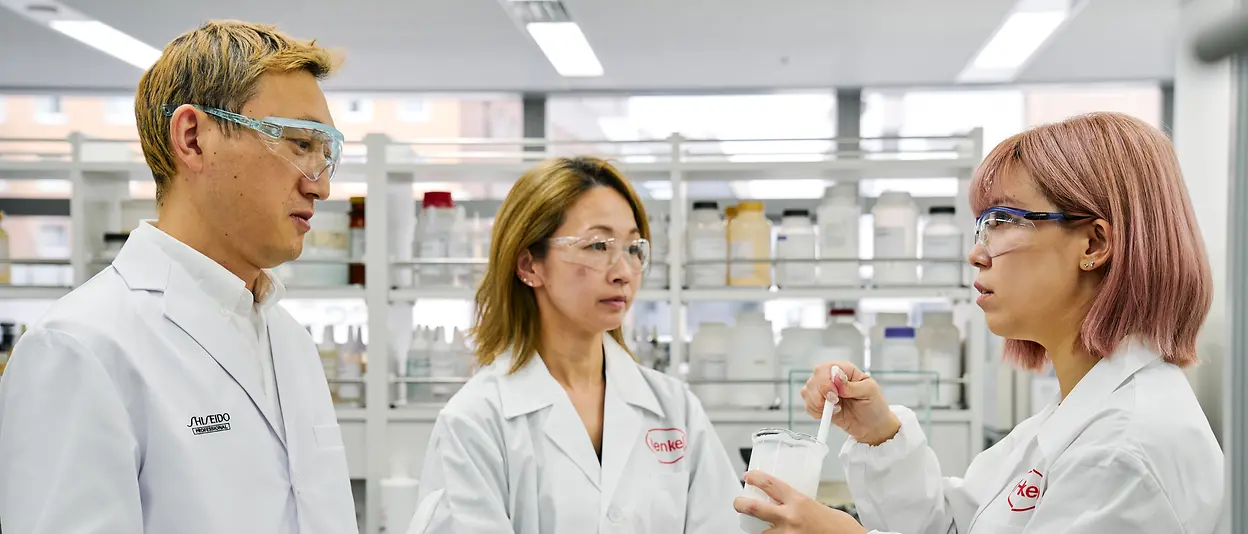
(795,513)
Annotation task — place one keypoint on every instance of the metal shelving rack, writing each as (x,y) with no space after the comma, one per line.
(390,168)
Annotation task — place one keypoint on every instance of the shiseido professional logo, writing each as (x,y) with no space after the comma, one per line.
(217,422)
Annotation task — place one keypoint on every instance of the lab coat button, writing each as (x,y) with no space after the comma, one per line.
(615,515)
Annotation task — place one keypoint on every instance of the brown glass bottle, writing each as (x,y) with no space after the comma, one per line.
(355,272)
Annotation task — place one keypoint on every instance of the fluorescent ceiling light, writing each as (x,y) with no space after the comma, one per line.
(566,48)
(1013,45)
(109,40)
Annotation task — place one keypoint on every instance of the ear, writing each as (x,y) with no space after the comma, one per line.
(527,270)
(185,127)
(1099,249)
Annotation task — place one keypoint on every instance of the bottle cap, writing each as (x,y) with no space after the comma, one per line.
(706,205)
(901,332)
(437,199)
(942,210)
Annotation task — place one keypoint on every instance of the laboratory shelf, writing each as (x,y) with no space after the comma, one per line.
(351,415)
(412,294)
(744,294)
(33,292)
(325,293)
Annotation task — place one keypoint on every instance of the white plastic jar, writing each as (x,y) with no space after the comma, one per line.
(795,250)
(433,235)
(838,217)
(942,241)
(752,356)
(707,241)
(656,276)
(708,355)
(899,357)
(940,347)
(896,237)
(793,457)
(843,338)
(794,359)
(326,251)
(750,246)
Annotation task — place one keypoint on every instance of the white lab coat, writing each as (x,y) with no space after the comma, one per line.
(1128,451)
(134,406)
(512,455)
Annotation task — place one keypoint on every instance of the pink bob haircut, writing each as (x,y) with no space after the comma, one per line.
(1157,285)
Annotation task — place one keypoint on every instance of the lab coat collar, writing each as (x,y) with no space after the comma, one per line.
(1090,394)
(145,266)
(532,387)
(223,286)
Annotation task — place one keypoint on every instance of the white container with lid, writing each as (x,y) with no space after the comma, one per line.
(795,250)
(419,366)
(793,457)
(752,356)
(656,277)
(442,365)
(750,246)
(942,240)
(843,339)
(940,346)
(896,237)
(795,353)
(899,358)
(708,354)
(707,241)
(433,235)
(459,247)
(838,217)
(882,321)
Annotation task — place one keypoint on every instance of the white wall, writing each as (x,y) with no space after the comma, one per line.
(1203,120)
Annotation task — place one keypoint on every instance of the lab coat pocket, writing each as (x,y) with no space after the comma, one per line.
(328,437)
(669,502)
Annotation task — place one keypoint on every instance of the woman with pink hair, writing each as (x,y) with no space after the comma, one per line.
(1089,260)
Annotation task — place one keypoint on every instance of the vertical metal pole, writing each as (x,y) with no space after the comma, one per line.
(1236,442)
(533,119)
(1167,108)
(377,297)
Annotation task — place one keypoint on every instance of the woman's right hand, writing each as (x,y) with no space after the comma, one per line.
(864,414)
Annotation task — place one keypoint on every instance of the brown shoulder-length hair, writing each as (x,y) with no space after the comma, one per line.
(507,317)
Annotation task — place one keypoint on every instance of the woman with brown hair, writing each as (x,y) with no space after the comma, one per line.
(561,430)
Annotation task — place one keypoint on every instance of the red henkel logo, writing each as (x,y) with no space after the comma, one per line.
(667,444)
(1025,494)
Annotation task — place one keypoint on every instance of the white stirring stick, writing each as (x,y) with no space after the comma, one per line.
(825,423)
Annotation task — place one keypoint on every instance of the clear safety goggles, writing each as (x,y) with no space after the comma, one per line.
(602,253)
(1000,229)
(313,148)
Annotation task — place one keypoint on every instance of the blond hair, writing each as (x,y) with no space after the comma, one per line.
(507,315)
(216,65)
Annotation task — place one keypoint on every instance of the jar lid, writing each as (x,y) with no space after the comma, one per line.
(796,212)
(898,332)
(750,205)
(357,200)
(942,210)
(438,199)
(114,237)
(706,205)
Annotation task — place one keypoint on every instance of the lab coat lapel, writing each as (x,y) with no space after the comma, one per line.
(199,316)
(621,422)
(563,425)
(285,371)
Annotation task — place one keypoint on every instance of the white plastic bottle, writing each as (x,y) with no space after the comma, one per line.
(400,496)
(442,365)
(463,354)
(882,321)
(418,366)
(838,217)
(899,356)
(351,367)
(328,351)
(843,338)
(940,348)
(459,247)
(707,241)
(656,277)
(708,354)
(433,235)
(750,246)
(795,354)
(942,240)
(896,237)
(752,356)
(480,247)
(795,250)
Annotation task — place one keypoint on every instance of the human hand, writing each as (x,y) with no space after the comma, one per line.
(863,414)
(793,513)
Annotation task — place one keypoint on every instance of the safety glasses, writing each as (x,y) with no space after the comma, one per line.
(1000,229)
(313,148)
(602,253)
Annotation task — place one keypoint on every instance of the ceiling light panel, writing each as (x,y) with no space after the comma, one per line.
(85,29)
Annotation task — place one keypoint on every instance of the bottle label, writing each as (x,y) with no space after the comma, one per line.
(838,235)
(432,248)
(890,242)
(741,250)
(714,368)
(709,249)
(946,247)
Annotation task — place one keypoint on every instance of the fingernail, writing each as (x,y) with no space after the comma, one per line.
(832,397)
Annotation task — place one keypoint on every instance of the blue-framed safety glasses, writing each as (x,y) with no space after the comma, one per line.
(1000,229)
(312,147)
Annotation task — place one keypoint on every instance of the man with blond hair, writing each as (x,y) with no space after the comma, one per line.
(170,393)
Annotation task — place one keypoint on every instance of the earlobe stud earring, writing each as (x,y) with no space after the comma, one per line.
(1089,265)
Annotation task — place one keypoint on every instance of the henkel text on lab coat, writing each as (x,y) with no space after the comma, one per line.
(135,407)
(511,454)
(1127,451)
